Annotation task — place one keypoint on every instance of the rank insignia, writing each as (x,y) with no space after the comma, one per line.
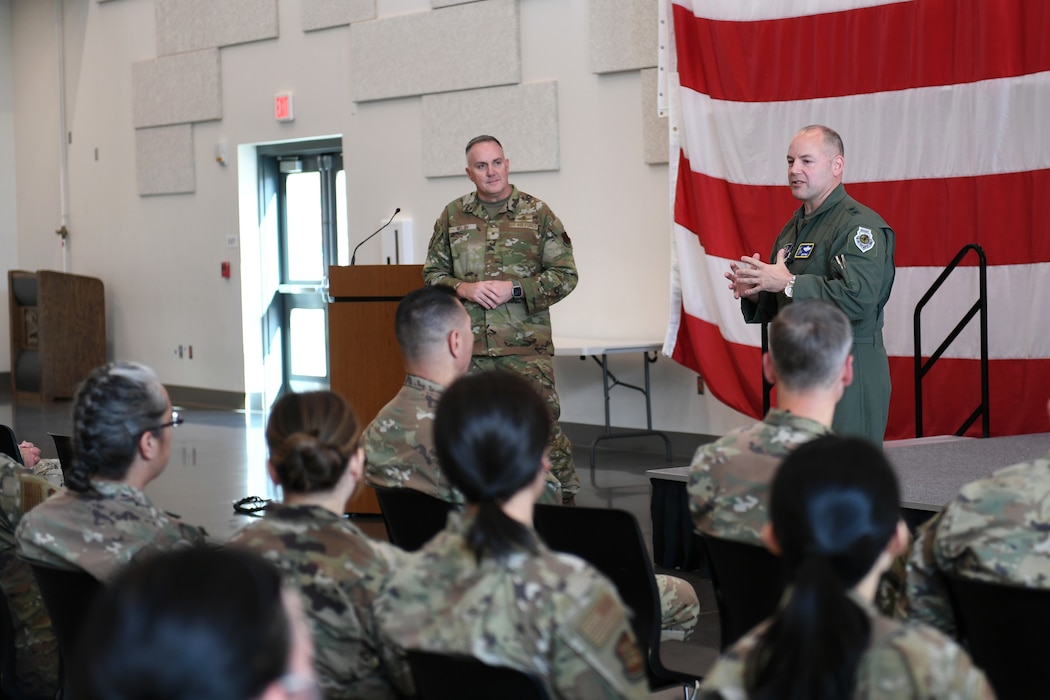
(864,240)
(803,251)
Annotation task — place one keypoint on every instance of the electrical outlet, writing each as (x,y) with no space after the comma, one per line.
(699,385)
(231,241)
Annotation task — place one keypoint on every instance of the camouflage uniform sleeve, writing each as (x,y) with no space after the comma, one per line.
(919,662)
(437,269)
(558,275)
(925,589)
(595,653)
(703,490)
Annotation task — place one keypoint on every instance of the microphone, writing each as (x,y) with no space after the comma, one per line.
(353,256)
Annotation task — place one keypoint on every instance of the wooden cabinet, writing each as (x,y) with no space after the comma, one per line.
(58,332)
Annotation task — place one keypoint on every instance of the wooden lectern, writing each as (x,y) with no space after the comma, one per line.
(364,358)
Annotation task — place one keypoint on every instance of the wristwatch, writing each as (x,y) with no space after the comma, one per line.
(517,293)
(789,289)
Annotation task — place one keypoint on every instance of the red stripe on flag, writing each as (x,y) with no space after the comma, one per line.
(731,371)
(933,218)
(951,390)
(890,47)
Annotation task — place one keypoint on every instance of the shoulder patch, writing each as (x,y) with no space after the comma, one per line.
(864,240)
(630,655)
(601,620)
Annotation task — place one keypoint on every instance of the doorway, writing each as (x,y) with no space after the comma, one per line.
(302,214)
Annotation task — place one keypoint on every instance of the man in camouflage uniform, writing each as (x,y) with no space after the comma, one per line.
(836,249)
(338,572)
(995,529)
(809,361)
(36,649)
(434,332)
(546,613)
(508,258)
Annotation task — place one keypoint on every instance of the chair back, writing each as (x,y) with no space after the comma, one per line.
(454,676)
(611,541)
(67,595)
(64,447)
(1004,627)
(748,581)
(9,444)
(412,517)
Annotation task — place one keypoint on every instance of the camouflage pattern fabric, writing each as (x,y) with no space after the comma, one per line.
(679,608)
(539,370)
(100,531)
(549,614)
(995,529)
(36,649)
(903,660)
(338,572)
(399,445)
(523,241)
(730,478)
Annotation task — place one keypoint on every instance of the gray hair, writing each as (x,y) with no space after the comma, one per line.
(809,341)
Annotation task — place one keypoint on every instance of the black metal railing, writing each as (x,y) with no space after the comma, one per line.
(922,368)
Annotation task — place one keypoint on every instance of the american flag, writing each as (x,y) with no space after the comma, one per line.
(944,109)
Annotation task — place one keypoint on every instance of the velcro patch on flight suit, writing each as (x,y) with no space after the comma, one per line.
(804,250)
(864,240)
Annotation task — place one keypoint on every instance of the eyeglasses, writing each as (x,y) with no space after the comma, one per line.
(176,420)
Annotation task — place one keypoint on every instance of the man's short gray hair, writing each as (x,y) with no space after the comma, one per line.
(809,341)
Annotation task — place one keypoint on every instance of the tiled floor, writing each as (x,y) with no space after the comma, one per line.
(220,456)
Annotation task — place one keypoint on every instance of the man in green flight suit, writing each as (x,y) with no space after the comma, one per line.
(509,259)
(836,249)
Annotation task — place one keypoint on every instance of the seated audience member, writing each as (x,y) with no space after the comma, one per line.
(102,519)
(995,529)
(809,361)
(486,586)
(433,330)
(315,458)
(36,649)
(835,523)
(196,624)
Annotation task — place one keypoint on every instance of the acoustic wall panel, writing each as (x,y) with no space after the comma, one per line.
(190,25)
(164,160)
(176,89)
(654,127)
(322,14)
(623,35)
(435,51)
(523,117)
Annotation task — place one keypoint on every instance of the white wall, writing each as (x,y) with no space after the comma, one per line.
(8,237)
(159,256)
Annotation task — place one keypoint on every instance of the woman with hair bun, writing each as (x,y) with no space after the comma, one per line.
(835,523)
(486,586)
(315,459)
(102,520)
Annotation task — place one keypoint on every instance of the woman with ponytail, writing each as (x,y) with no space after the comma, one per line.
(101,520)
(315,459)
(835,523)
(486,586)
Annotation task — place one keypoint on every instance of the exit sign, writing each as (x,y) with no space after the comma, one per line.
(282,107)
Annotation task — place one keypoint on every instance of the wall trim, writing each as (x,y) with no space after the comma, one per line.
(205,398)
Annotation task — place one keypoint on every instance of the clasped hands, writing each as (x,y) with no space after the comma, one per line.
(751,275)
(487,293)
